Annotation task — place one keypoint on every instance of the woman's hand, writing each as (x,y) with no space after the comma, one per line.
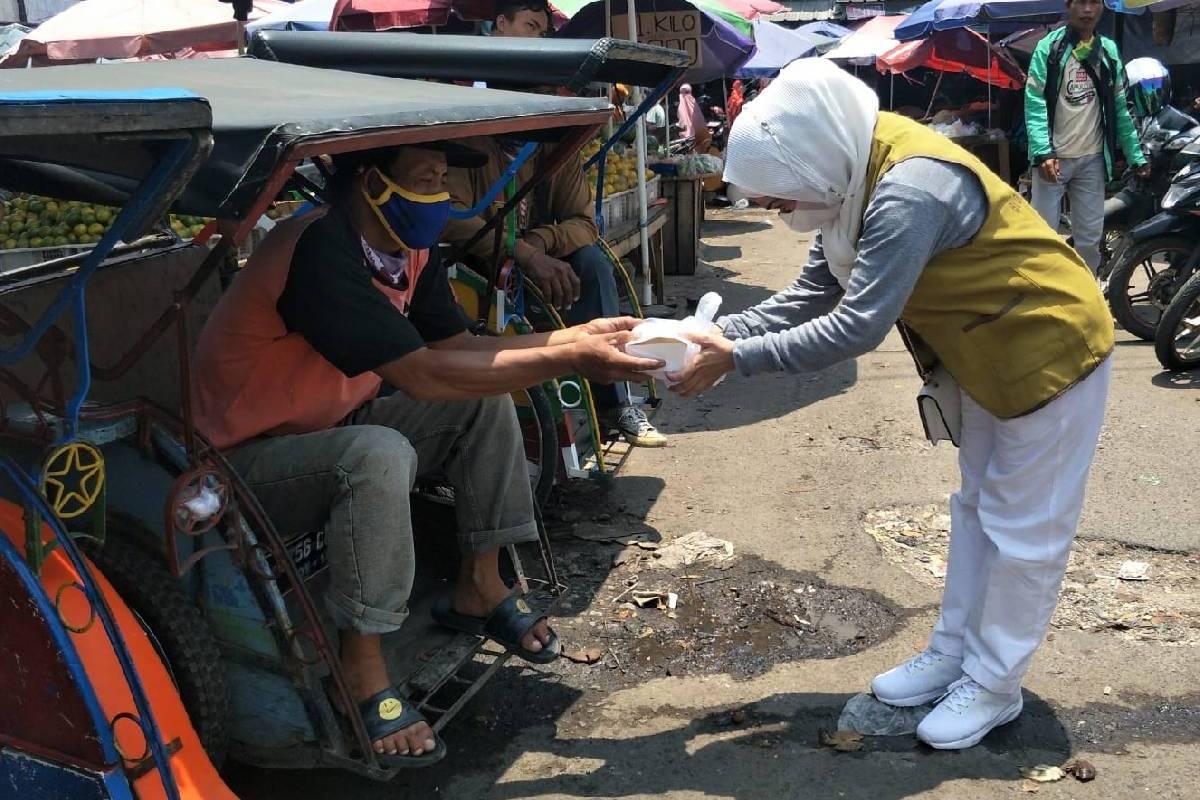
(712,363)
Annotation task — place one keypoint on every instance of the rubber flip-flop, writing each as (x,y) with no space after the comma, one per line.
(506,625)
(386,713)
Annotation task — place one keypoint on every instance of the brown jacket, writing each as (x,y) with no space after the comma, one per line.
(560,218)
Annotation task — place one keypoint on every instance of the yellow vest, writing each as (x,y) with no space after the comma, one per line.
(1014,315)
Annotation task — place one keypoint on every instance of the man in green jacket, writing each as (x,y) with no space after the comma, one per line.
(1077,116)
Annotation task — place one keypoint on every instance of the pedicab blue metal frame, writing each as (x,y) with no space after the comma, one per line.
(153,193)
(257,601)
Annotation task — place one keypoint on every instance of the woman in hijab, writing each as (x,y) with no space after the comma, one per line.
(916,231)
(692,123)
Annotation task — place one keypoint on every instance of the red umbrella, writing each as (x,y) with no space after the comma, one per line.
(956,50)
(132,29)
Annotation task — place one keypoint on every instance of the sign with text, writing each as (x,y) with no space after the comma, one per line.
(678,30)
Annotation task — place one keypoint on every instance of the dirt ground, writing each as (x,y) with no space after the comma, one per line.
(834,510)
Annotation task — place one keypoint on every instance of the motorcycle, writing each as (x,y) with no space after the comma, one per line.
(1160,256)
(1166,137)
(1177,341)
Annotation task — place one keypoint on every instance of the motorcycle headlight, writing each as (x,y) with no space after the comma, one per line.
(1183,184)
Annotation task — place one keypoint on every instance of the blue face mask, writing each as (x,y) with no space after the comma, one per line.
(414,221)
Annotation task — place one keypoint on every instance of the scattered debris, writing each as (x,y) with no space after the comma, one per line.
(1043,773)
(1029,787)
(695,547)
(656,598)
(1081,769)
(590,655)
(1108,586)
(1108,690)
(737,716)
(1150,479)
(872,717)
(624,556)
(842,741)
(1133,571)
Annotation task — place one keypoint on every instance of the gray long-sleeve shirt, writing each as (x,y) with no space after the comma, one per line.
(920,208)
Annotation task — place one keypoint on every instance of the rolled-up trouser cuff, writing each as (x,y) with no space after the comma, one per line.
(351,615)
(485,541)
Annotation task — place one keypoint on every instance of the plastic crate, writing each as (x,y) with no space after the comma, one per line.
(16,259)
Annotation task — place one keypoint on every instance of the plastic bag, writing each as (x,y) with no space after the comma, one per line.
(663,339)
(872,717)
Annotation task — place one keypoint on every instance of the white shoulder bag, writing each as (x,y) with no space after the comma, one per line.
(940,400)
(940,405)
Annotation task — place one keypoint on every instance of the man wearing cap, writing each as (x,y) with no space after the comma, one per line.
(334,305)
(556,241)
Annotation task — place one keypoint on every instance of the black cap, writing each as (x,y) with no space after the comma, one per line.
(457,155)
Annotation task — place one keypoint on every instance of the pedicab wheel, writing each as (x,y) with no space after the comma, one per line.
(1139,288)
(1177,343)
(177,630)
(543,428)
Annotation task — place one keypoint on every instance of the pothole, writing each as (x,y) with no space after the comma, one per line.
(738,618)
(1136,593)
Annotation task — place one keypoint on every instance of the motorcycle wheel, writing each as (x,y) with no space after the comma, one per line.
(1139,288)
(1177,343)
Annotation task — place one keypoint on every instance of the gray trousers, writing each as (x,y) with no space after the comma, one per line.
(1083,180)
(354,481)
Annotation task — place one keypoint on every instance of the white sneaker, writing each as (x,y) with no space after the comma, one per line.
(637,430)
(966,715)
(919,680)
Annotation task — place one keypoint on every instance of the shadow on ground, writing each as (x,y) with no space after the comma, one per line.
(1177,380)
(770,753)
(717,228)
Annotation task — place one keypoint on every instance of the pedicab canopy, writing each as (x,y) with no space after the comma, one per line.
(266,116)
(64,131)
(569,63)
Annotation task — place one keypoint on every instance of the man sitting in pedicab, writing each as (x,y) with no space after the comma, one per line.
(334,304)
(558,242)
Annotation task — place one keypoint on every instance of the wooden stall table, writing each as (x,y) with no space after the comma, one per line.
(681,241)
(626,239)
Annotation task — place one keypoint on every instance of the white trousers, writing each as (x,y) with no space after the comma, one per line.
(1012,524)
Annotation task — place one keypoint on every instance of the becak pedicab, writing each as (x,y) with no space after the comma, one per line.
(497,294)
(231,606)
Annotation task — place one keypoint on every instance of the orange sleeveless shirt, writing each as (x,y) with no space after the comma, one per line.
(251,376)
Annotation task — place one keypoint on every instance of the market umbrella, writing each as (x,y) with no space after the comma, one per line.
(775,48)
(1154,6)
(825,28)
(717,49)
(305,15)
(379,15)
(940,15)
(958,50)
(95,29)
(734,13)
(872,40)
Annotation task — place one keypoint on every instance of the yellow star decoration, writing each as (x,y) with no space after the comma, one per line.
(73,479)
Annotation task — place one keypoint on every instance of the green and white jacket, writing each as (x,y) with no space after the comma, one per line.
(1107,73)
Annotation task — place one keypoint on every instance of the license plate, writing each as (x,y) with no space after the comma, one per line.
(308,556)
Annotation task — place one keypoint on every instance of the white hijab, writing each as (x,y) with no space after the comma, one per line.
(807,137)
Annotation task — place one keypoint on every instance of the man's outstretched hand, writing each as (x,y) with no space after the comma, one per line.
(712,363)
(602,358)
(609,325)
